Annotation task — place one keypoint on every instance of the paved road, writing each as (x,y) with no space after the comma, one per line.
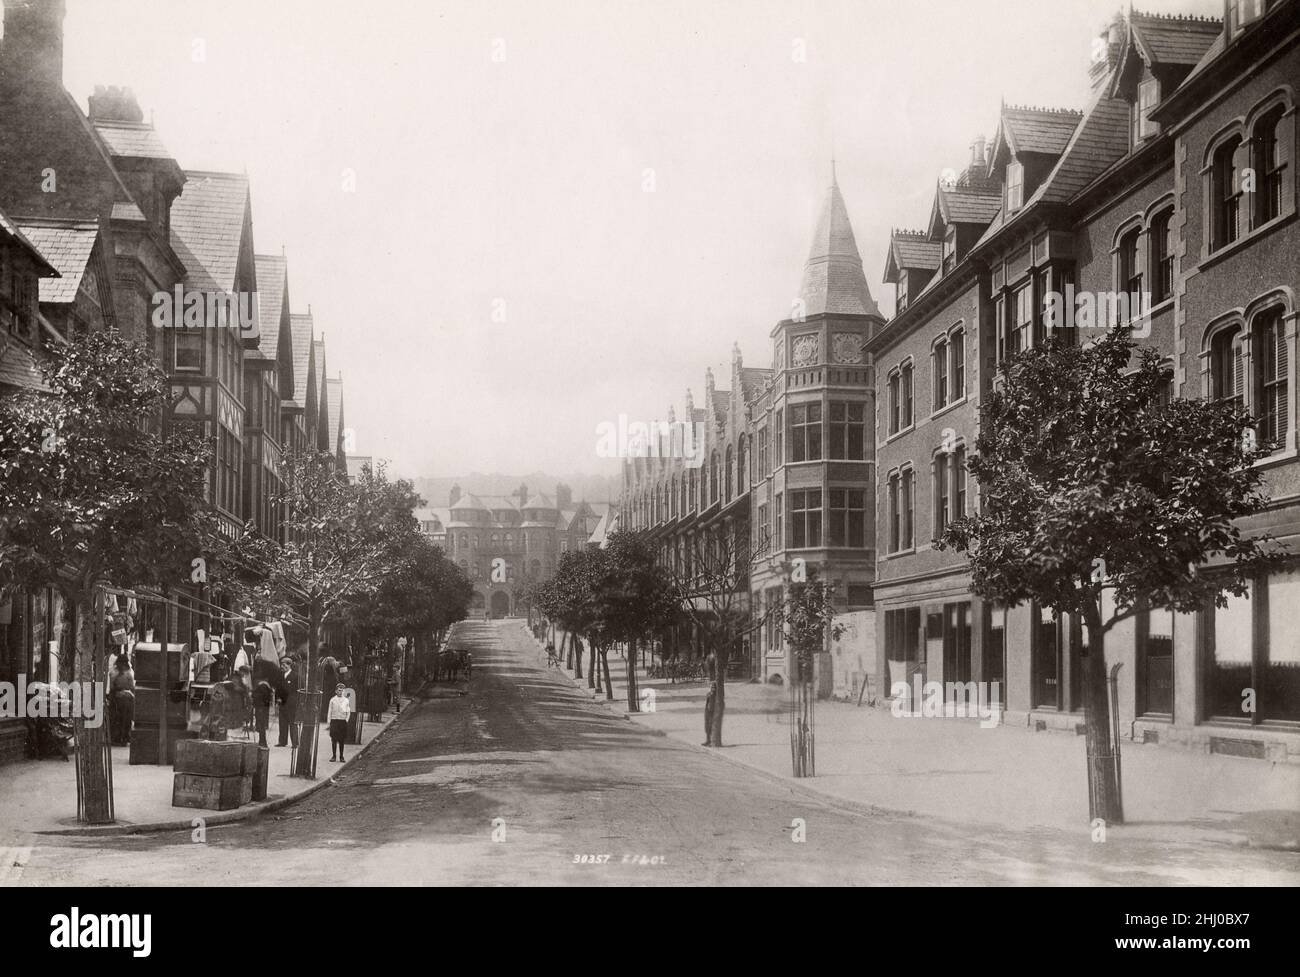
(522,756)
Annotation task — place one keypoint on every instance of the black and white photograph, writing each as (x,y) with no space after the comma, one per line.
(700,443)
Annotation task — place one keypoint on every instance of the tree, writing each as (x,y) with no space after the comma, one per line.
(634,598)
(91,491)
(420,595)
(342,540)
(711,580)
(807,619)
(1098,499)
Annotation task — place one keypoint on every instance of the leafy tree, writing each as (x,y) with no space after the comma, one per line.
(1097,498)
(93,491)
(711,580)
(419,597)
(807,618)
(342,541)
(634,599)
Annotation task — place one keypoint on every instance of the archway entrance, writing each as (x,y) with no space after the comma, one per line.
(500,604)
(476,603)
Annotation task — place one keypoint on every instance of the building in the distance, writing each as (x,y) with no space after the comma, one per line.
(504,543)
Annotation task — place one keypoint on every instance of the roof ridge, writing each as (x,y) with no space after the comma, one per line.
(1193,18)
(904,232)
(1042,108)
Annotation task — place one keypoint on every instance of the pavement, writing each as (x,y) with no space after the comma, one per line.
(40,796)
(519,777)
(1000,776)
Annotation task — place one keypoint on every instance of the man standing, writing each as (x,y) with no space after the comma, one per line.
(288,702)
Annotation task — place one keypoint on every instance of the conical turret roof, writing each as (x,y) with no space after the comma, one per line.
(833,280)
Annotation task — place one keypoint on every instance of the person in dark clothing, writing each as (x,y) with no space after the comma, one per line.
(288,703)
(262,696)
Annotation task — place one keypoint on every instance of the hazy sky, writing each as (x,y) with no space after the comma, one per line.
(500,153)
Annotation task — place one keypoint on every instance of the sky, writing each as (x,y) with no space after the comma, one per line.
(516,221)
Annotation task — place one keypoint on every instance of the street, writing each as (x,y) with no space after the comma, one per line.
(519,778)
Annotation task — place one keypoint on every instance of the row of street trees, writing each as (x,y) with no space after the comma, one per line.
(625,594)
(95,488)
(1099,496)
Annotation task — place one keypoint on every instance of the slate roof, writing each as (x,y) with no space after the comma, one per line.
(137,139)
(1101,139)
(207,222)
(1164,39)
(18,367)
(301,327)
(126,210)
(912,249)
(961,205)
(272,272)
(753,381)
(66,244)
(1037,130)
(833,281)
(334,412)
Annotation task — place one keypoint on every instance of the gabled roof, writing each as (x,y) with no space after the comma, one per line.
(334,411)
(753,381)
(911,249)
(301,327)
(272,276)
(207,222)
(18,367)
(833,281)
(1025,129)
(67,244)
(11,229)
(1169,39)
(133,139)
(539,500)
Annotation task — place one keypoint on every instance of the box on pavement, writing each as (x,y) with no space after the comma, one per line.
(211,793)
(211,758)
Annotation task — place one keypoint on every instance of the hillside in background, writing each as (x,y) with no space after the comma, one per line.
(592,488)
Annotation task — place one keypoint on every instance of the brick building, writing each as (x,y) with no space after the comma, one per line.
(1143,192)
(503,543)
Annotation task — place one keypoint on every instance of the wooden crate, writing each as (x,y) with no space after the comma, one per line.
(211,793)
(210,758)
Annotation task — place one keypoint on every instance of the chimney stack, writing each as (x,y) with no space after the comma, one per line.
(32,47)
(1106,50)
(454,496)
(977,148)
(116,104)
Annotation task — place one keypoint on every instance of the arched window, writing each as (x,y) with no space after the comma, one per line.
(1267,150)
(713,478)
(1225,195)
(939,373)
(1228,365)
(685,488)
(1160,247)
(957,357)
(729,482)
(1269,352)
(742,469)
(1128,273)
(510,539)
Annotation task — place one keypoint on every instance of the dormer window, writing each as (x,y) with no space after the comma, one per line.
(1241,13)
(901,295)
(1143,125)
(1015,186)
(949,249)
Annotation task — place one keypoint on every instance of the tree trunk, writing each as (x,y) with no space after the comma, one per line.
(575,650)
(1103,768)
(719,700)
(593,677)
(310,732)
(92,769)
(633,691)
(604,664)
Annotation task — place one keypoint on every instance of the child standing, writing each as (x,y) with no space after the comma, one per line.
(340,710)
